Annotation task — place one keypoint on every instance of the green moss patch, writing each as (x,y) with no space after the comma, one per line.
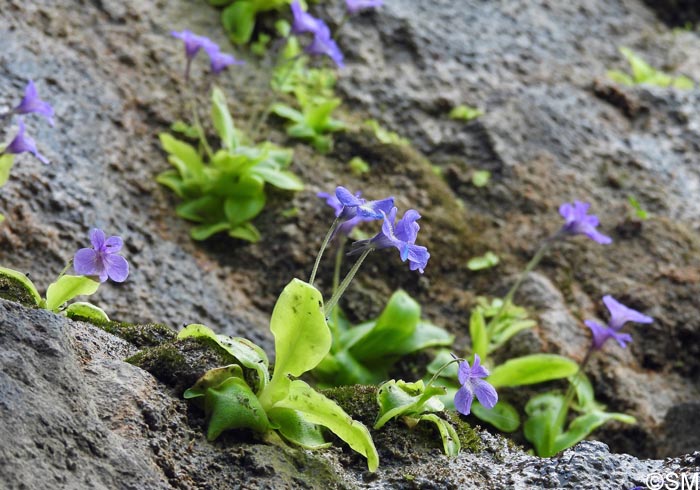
(146,335)
(395,440)
(180,363)
(14,290)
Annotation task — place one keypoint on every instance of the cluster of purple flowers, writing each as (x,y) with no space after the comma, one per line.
(401,234)
(30,103)
(619,315)
(323,44)
(579,222)
(193,44)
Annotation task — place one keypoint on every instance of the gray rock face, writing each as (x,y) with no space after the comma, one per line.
(71,411)
(73,415)
(555,129)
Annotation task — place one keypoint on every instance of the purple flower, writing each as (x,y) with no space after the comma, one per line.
(602,333)
(220,61)
(22,143)
(354,6)
(346,226)
(102,259)
(353,205)
(402,236)
(193,43)
(323,44)
(472,384)
(32,103)
(303,21)
(619,315)
(578,222)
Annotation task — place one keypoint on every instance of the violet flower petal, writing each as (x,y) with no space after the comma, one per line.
(621,314)
(477,369)
(463,399)
(600,333)
(347,198)
(86,262)
(221,61)
(463,372)
(117,267)
(97,239)
(193,43)
(32,103)
(332,201)
(485,393)
(113,244)
(578,222)
(354,6)
(303,21)
(622,338)
(22,143)
(324,45)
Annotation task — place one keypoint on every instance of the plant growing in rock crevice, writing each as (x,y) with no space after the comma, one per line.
(225,190)
(493,324)
(283,404)
(94,266)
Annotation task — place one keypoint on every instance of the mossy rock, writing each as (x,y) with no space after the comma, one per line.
(146,335)
(395,438)
(13,289)
(180,363)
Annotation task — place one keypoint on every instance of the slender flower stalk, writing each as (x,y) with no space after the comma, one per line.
(442,368)
(265,113)
(346,282)
(65,269)
(534,262)
(577,222)
(619,316)
(336,279)
(324,244)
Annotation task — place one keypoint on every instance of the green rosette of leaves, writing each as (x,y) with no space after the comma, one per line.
(281,403)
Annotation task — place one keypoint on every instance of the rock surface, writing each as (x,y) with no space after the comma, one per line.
(555,129)
(74,416)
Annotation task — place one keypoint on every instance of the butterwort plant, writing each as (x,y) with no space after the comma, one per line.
(415,402)
(223,190)
(93,266)
(493,324)
(312,121)
(282,404)
(364,353)
(546,426)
